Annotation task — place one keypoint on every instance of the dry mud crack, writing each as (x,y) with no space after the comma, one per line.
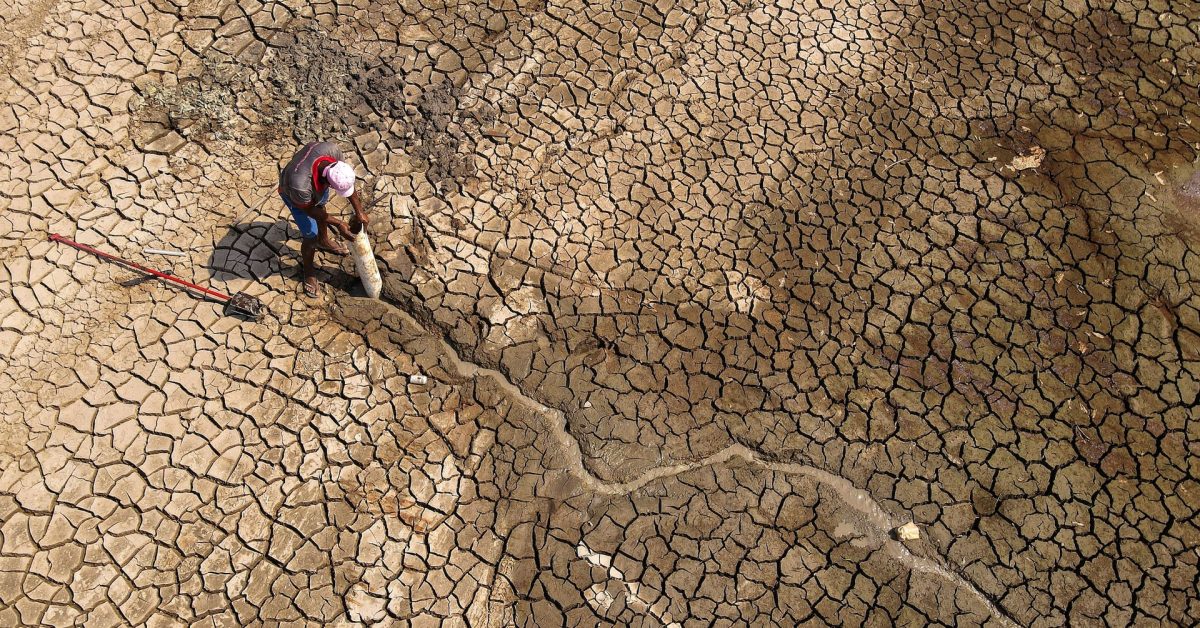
(875,525)
(711,295)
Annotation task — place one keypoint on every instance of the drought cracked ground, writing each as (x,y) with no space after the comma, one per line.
(711,296)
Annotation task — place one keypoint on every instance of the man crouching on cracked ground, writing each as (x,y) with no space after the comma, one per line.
(304,186)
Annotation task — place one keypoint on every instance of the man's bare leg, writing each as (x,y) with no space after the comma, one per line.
(308,251)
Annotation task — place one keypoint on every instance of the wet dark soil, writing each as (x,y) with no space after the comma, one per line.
(309,86)
(333,93)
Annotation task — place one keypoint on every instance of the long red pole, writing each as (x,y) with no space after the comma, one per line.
(161,275)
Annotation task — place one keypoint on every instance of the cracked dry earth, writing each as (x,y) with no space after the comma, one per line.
(711,296)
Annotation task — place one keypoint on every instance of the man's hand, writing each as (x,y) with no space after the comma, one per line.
(341,227)
(320,215)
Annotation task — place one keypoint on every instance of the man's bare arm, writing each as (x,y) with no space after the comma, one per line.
(360,214)
(320,214)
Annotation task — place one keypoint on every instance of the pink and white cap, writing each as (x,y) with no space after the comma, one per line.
(341,178)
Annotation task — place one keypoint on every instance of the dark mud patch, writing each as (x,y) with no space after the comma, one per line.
(329,92)
(305,86)
(1183,219)
(332,93)
(440,136)
(308,86)
(1190,190)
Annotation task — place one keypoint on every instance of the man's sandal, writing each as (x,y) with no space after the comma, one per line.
(311,290)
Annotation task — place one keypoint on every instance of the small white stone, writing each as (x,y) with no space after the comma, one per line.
(419,380)
(908,532)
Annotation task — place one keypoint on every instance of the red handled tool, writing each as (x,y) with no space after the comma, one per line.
(240,304)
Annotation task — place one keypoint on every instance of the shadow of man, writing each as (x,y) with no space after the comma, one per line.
(257,250)
(252,250)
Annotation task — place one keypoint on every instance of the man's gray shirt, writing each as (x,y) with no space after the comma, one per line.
(296,181)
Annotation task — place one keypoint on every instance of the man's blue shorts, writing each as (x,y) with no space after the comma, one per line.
(307,224)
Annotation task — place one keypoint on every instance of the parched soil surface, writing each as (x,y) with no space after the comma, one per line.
(711,297)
